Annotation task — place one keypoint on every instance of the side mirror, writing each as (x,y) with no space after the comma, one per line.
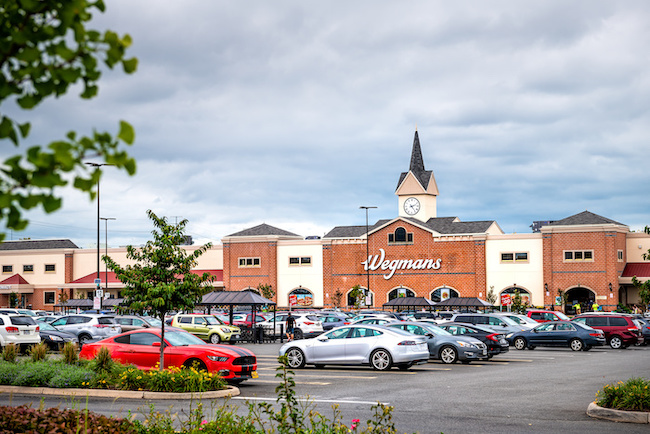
(429,335)
(155,344)
(323,338)
(504,325)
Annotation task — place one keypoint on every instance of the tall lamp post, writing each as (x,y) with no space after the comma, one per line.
(106,219)
(367,250)
(98,280)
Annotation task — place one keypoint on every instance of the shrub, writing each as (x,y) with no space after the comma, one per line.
(39,352)
(102,363)
(25,419)
(633,395)
(9,353)
(35,374)
(69,376)
(70,353)
(8,372)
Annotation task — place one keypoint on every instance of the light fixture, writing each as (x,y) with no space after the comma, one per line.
(610,287)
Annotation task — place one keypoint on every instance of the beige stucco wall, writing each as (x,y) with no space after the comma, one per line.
(291,277)
(637,243)
(528,275)
(37,258)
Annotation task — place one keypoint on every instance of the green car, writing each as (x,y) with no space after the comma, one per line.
(206,327)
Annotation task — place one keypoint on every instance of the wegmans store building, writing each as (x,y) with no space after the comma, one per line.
(584,258)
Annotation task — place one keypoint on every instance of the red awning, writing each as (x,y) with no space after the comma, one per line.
(639,269)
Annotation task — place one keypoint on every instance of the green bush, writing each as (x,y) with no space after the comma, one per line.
(8,372)
(633,395)
(23,419)
(9,353)
(69,376)
(34,374)
(38,352)
(70,353)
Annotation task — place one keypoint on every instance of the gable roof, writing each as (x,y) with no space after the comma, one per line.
(440,225)
(248,298)
(37,245)
(263,230)
(417,166)
(585,218)
(16,279)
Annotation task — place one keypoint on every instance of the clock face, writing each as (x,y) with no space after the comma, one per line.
(411,206)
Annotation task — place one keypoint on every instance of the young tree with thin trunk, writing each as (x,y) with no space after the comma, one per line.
(161,280)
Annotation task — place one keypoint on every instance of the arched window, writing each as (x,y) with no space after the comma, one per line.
(400,236)
(400,292)
(367,301)
(509,293)
(301,297)
(443,293)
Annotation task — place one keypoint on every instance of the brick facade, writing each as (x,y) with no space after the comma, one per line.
(236,278)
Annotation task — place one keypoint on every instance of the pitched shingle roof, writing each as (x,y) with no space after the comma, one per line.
(38,245)
(263,230)
(417,165)
(441,225)
(585,218)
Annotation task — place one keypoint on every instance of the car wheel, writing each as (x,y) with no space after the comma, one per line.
(448,355)
(615,342)
(215,338)
(297,334)
(380,360)
(196,364)
(520,343)
(576,344)
(295,358)
(84,338)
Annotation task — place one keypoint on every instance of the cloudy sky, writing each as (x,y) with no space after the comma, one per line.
(295,113)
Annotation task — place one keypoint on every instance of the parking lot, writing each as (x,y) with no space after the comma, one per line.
(545,390)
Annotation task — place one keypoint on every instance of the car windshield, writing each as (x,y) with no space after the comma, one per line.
(562,316)
(212,320)
(436,330)
(46,326)
(582,325)
(182,339)
(518,320)
(154,322)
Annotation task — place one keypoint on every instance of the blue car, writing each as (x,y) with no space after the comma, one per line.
(577,336)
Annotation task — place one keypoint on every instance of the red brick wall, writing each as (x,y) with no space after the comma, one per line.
(462,265)
(237,279)
(596,275)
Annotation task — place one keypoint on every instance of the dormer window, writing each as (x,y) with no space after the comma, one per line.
(400,236)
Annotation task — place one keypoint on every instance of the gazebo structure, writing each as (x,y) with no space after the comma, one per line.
(403,303)
(463,303)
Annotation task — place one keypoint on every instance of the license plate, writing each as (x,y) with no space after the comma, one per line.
(254,374)
(26,332)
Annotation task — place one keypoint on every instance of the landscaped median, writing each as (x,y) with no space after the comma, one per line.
(623,402)
(126,394)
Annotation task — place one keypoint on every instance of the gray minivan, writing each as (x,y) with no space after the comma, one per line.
(497,323)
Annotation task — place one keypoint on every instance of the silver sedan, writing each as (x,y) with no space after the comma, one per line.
(363,344)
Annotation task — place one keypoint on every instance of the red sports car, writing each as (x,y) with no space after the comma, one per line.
(142,349)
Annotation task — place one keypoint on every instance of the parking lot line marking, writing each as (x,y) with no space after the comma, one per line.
(434,369)
(317,383)
(301,375)
(334,401)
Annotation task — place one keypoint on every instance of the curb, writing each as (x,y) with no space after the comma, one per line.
(595,411)
(125,394)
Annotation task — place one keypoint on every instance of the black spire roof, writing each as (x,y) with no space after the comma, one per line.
(417,165)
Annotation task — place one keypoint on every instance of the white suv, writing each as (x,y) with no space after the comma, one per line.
(88,326)
(308,324)
(21,330)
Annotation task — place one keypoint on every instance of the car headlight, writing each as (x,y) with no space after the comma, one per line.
(218,358)
(466,344)
(225,329)
(56,338)
(509,335)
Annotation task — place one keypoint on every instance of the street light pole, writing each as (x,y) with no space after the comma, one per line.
(367,249)
(97,166)
(106,219)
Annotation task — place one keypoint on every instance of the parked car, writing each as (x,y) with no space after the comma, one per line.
(55,338)
(182,349)
(522,320)
(496,342)
(88,326)
(20,330)
(546,315)
(308,324)
(331,320)
(574,335)
(644,325)
(443,345)
(135,322)
(492,321)
(377,346)
(207,327)
(246,320)
(376,321)
(620,330)
(47,318)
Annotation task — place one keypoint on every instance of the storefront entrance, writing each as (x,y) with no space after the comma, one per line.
(582,296)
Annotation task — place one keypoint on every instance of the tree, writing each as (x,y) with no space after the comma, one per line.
(491,297)
(357,296)
(337,297)
(518,305)
(266,290)
(45,47)
(161,280)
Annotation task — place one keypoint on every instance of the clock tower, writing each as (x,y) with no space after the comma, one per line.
(417,190)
